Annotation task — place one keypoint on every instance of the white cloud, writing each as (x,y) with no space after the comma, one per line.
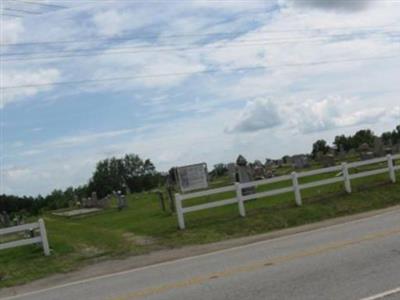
(76,140)
(333,112)
(11,31)
(27,77)
(114,22)
(257,115)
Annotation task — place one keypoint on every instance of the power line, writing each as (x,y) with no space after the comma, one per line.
(164,47)
(22,11)
(38,3)
(255,68)
(125,50)
(107,38)
(10,15)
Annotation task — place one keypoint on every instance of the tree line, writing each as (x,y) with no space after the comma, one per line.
(127,174)
(347,143)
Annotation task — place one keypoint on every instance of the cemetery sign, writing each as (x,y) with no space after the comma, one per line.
(192,177)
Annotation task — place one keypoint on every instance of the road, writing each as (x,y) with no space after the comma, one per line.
(356,260)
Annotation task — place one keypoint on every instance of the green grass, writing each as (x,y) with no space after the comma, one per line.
(84,240)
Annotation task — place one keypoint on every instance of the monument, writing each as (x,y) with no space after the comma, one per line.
(244,175)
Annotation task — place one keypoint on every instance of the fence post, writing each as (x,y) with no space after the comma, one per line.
(179,211)
(43,235)
(346,177)
(392,172)
(296,189)
(239,197)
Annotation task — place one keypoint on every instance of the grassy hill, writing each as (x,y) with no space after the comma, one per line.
(143,227)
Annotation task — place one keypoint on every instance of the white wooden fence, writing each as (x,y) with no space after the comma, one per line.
(42,239)
(239,199)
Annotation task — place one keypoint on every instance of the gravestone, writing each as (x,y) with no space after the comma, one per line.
(5,219)
(192,177)
(232,172)
(342,152)
(378,147)
(94,200)
(258,170)
(244,175)
(328,160)
(396,148)
(352,152)
(121,200)
(365,152)
(300,162)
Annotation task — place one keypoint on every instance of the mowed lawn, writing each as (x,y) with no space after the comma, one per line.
(144,227)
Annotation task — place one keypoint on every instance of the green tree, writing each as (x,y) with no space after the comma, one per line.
(319,146)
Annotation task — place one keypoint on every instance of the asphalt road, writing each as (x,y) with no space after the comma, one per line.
(356,260)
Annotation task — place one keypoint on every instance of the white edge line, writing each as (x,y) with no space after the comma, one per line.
(200,256)
(383,295)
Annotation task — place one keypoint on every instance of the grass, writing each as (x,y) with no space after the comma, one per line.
(111,234)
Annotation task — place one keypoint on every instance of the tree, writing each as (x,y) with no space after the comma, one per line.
(319,146)
(362,137)
(219,170)
(129,172)
(341,141)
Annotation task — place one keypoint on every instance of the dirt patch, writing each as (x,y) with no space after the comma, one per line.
(140,240)
(90,251)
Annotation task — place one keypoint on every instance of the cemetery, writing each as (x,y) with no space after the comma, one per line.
(120,224)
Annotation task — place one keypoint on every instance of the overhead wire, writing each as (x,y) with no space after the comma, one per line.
(254,68)
(38,3)
(170,47)
(107,38)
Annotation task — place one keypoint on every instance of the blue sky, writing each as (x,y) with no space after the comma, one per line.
(260,78)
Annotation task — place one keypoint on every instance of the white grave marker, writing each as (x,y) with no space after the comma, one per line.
(193,177)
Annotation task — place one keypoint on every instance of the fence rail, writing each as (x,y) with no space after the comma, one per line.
(42,239)
(343,176)
(296,188)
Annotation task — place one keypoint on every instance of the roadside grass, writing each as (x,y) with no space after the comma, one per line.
(79,241)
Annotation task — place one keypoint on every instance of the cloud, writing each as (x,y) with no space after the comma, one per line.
(343,5)
(31,77)
(70,141)
(332,112)
(395,113)
(113,22)
(257,115)
(11,31)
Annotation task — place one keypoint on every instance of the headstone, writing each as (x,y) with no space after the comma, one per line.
(258,170)
(287,160)
(397,148)
(365,152)
(342,152)
(388,150)
(278,162)
(192,177)
(328,161)
(352,153)
(232,172)
(364,148)
(5,219)
(367,155)
(94,199)
(121,201)
(300,162)
(244,175)
(378,147)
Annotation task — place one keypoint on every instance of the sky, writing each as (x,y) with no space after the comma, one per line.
(184,82)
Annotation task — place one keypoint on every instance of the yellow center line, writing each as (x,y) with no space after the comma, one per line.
(257,265)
